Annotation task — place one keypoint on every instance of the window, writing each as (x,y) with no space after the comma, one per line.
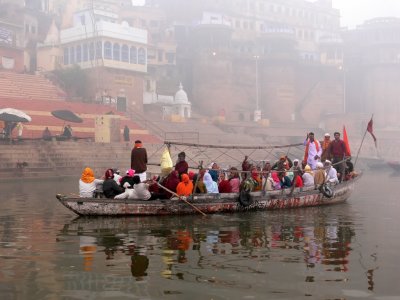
(133,56)
(78,53)
(160,55)
(142,56)
(72,55)
(125,53)
(33,29)
(116,52)
(66,56)
(99,49)
(85,52)
(107,50)
(91,51)
(170,57)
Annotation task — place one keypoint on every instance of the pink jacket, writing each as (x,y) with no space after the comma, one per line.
(235,185)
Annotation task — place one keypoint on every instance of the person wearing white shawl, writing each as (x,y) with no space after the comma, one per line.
(211,185)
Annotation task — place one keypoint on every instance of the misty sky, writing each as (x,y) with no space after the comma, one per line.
(354,12)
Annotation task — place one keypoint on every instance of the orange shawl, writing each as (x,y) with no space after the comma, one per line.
(87,175)
(185,187)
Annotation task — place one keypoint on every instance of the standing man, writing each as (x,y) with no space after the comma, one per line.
(313,151)
(126,133)
(337,151)
(325,147)
(181,165)
(139,160)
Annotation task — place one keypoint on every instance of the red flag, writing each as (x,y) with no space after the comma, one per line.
(346,141)
(370,130)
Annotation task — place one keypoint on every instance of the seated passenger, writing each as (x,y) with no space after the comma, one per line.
(285,180)
(276,184)
(349,170)
(296,167)
(224,185)
(214,171)
(199,183)
(234,180)
(308,176)
(284,162)
(88,184)
(127,178)
(185,187)
(211,185)
(319,175)
(110,187)
(46,135)
(117,176)
(170,182)
(331,173)
(256,177)
(67,133)
(140,189)
(298,181)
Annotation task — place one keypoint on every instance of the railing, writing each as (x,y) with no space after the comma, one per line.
(183,136)
(177,136)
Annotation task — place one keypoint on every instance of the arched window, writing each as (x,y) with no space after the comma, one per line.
(116,52)
(125,53)
(66,56)
(85,52)
(133,55)
(99,49)
(91,51)
(72,55)
(142,56)
(78,53)
(107,50)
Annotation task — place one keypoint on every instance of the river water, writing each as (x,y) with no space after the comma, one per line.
(346,251)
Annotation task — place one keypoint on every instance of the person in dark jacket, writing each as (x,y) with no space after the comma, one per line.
(181,165)
(128,178)
(139,160)
(110,187)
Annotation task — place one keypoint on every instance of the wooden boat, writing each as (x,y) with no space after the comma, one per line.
(210,203)
(217,203)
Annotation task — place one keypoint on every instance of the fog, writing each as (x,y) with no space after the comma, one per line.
(355,12)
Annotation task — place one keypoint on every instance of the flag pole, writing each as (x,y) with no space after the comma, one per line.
(362,141)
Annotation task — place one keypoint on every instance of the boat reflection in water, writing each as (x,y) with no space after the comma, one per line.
(224,250)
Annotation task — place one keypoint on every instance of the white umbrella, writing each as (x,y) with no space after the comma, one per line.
(14,115)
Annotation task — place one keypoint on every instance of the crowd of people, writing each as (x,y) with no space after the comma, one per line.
(325,162)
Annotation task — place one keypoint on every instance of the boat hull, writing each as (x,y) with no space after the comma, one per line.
(208,203)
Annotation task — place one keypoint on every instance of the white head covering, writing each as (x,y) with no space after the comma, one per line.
(320,165)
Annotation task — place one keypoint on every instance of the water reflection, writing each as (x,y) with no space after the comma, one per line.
(190,245)
(338,252)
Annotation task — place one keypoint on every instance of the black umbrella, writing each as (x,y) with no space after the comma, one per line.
(66,115)
(14,115)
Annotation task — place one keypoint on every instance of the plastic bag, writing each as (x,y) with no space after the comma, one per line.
(166,162)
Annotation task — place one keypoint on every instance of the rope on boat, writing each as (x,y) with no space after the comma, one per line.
(233,146)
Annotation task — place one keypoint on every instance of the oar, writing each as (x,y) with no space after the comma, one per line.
(181,198)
